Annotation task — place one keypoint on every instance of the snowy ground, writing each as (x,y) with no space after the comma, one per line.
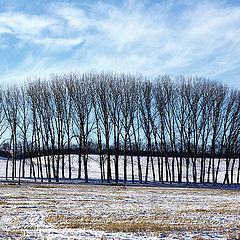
(79,211)
(75,210)
(94,168)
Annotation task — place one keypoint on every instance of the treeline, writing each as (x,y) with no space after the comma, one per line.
(178,121)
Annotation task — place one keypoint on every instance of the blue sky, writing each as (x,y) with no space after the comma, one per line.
(41,37)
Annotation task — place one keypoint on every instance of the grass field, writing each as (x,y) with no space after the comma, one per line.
(79,211)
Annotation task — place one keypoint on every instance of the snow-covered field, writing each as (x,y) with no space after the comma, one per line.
(79,211)
(94,168)
(75,210)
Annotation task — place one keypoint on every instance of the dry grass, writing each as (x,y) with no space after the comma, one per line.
(149,211)
(4,203)
(223,211)
(144,225)
(233,235)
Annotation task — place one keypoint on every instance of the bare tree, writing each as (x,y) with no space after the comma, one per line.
(128,106)
(57,95)
(173,121)
(160,103)
(205,126)
(102,99)
(147,117)
(24,124)
(82,119)
(115,116)
(181,113)
(93,93)
(10,108)
(3,126)
(68,116)
(218,94)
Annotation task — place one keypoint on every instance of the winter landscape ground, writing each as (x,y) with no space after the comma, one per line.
(73,209)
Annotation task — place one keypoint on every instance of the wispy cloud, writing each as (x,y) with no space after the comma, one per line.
(75,19)
(35,29)
(23,26)
(172,37)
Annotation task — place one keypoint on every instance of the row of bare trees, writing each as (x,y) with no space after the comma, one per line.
(176,123)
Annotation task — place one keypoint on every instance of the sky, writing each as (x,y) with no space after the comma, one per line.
(175,37)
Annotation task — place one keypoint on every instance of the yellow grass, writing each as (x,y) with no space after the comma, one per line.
(147,210)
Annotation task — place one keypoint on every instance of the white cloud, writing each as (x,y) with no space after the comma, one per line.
(59,44)
(202,38)
(23,25)
(30,28)
(128,26)
(76,18)
(4,29)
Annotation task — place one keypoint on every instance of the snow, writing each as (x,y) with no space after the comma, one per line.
(76,210)
(94,168)
(38,211)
